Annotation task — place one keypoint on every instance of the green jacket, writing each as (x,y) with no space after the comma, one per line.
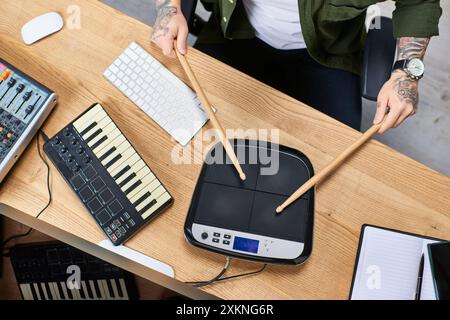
(334,30)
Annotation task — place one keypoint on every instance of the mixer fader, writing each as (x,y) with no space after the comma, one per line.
(24,105)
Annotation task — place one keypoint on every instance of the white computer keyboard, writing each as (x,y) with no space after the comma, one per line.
(157,92)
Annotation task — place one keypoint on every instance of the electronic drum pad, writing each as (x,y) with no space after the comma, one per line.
(237,218)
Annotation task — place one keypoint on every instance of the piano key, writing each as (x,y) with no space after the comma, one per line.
(103,295)
(121,172)
(110,288)
(146,181)
(55,289)
(123,287)
(87,291)
(155,194)
(107,153)
(108,144)
(150,187)
(111,131)
(141,199)
(114,289)
(95,126)
(69,292)
(37,293)
(86,123)
(82,293)
(134,169)
(94,289)
(137,177)
(33,292)
(75,294)
(78,124)
(159,202)
(119,150)
(26,292)
(129,157)
(62,285)
(44,291)
(99,142)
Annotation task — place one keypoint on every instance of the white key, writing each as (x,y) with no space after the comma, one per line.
(149,178)
(64,290)
(120,150)
(87,116)
(124,289)
(44,290)
(98,117)
(94,292)
(151,183)
(105,131)
(75,294)
(109,143)
(104,288)
(114,287)
(36,290)
(160,200)
(55,290)
(135,169)
(130,157)
(155,194)
(26,291)
(85,289)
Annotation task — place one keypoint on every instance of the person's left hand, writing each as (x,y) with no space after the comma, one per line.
(399,96)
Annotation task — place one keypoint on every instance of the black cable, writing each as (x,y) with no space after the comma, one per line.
(218,278)
(49,191)
(3,244)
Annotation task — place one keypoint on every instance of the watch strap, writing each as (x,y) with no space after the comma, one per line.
(400,64)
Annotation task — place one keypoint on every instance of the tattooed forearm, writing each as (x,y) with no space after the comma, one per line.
(410,47)
(164,14)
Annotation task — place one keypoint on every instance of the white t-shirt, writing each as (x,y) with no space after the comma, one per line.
(276,22)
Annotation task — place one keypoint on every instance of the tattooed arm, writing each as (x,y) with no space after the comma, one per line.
(170,24)
(399,95)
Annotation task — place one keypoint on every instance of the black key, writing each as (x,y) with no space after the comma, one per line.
(89,291)
(115,207)
(33,292)
(110,289)
(41,291)
(49,292)
(141,199)
(97,289)
(60,290)
(88,128)
(121,172)
(148,206)
(94,135)
(78,182)
(127,179)
(103,216)
(133,186)
(99,142)
(98,184)
(119,289)
(106,196)
(86,193)
(81,292)
(94,205)
(109,164)
(69,293)
(107,154)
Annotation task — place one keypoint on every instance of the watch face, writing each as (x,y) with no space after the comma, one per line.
(416,67)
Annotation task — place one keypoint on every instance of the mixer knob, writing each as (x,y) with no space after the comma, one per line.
(29,109)
(76,168)
(63,150)
(27,95)
(67,133)
(74,141)
(20,88)
(87,159)
(70,159)
(11,82)
(57,141)
(80,150)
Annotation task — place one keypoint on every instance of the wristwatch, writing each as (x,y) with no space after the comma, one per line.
(414,67)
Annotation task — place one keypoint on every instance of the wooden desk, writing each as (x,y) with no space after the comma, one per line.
(377,186)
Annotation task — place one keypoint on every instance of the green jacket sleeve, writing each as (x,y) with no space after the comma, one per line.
(416,18)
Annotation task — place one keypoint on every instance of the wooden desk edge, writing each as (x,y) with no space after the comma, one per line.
(106,255)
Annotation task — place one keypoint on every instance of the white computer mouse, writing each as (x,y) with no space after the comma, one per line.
(41,27)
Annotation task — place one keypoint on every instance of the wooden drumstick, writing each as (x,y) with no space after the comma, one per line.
(330,167)
(212,116)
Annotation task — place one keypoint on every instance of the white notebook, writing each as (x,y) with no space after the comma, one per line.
(387,266)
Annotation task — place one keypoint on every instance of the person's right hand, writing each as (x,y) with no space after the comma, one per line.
(170,24)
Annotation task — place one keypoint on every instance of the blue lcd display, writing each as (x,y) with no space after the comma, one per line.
(243,244)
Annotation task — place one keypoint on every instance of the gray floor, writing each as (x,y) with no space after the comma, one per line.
(424,137)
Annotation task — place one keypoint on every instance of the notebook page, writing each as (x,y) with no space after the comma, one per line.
(428,292)
(388,266)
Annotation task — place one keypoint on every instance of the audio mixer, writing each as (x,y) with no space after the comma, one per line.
(24,105)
